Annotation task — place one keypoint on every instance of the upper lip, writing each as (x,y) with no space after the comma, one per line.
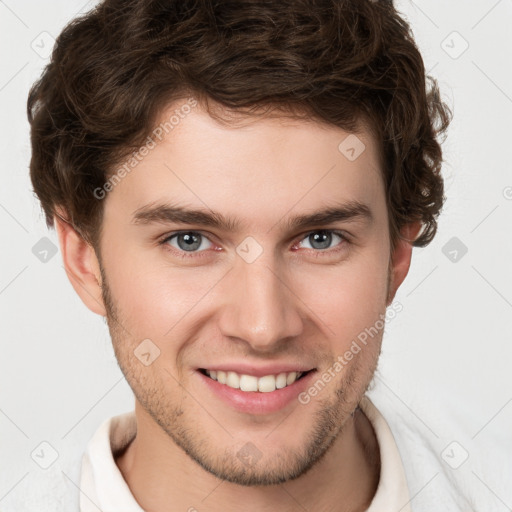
(258,370)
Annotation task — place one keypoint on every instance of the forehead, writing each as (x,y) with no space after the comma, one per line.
(249,168)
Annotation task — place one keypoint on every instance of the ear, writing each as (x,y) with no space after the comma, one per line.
(81,265)
(401,258)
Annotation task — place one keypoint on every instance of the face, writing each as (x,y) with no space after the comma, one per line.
(257,294)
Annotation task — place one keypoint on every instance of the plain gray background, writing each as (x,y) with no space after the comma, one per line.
(446,357)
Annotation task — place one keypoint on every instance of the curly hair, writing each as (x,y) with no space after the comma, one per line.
(340,62)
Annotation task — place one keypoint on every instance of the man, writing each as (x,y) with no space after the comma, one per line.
(237,187)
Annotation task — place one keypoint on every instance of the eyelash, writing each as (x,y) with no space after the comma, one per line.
(319,252)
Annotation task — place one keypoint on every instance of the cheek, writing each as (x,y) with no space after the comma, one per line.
(152,296)
(347,298)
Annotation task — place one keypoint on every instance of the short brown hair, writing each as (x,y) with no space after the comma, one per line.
(335,61)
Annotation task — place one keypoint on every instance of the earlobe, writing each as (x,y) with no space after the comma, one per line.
(401,258)
(81,265)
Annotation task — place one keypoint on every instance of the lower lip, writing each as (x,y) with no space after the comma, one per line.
(257,402)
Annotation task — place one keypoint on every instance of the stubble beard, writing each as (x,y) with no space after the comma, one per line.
(332,415)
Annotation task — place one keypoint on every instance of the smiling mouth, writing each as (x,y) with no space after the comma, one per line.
(250,383)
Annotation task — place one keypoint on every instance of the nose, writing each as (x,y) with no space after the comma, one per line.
(260,306)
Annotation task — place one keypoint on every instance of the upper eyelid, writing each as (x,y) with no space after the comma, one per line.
(341,233)
(167,237)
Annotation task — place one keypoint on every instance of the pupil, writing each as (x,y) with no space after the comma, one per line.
(317,237)
(190,240)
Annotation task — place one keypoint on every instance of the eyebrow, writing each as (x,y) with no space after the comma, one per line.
(167,213)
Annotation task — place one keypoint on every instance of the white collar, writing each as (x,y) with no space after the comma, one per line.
(104,489)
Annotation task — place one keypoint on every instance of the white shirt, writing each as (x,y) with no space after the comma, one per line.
(104,488)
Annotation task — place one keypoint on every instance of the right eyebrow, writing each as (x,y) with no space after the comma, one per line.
(167,213)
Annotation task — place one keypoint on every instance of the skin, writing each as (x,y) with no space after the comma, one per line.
(295,302)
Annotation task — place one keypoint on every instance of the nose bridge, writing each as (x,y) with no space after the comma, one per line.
(260,308)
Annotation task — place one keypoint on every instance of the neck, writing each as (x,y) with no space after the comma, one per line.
(163,478)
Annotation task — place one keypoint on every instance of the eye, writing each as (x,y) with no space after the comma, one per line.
(190,243)
(187,242)
(321,240)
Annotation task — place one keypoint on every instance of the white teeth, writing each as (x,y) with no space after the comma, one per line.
(281,381)
(233,380)
(265,384)
(290,378)
(248,383)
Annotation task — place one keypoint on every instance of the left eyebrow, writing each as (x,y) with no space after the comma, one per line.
(352,210)
(167,213)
